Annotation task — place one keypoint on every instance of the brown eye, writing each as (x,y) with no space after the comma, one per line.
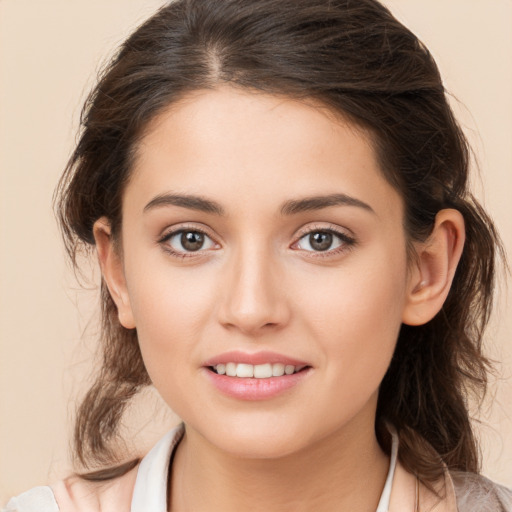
(192,240)
(324,241)
(320,241)
(186,241)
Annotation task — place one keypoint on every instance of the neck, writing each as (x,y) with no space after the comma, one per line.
(344,471)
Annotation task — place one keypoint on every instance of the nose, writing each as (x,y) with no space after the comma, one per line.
(254,298)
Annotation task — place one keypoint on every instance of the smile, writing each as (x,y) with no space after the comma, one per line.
(258,371)
(259,376)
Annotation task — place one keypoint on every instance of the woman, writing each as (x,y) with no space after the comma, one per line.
(277,193)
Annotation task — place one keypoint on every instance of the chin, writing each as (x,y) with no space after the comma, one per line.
(260,447)
(260,436)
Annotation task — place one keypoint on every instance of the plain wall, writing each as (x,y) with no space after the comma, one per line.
(50,51)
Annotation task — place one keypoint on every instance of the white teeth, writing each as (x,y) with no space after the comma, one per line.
(231,369)
(289,369)
(263,371)
(244,370)
(277,369)
(258,371)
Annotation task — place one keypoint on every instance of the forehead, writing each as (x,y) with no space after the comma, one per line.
(249,147)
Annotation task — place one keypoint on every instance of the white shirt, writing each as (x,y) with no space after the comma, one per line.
(150,491)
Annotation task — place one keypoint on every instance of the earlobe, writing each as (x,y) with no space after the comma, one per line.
(112,271)
(433,271)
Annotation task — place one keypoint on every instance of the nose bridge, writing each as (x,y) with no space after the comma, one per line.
(253,296)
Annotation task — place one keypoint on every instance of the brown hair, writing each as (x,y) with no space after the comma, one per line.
(358,60)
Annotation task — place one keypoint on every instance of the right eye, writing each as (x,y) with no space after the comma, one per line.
(182,242)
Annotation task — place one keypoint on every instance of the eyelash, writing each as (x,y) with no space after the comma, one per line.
(347,242)
(184,229)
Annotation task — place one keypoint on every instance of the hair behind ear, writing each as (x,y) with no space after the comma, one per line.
(122,376)
(439,366)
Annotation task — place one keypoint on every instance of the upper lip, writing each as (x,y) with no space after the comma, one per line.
(236,356)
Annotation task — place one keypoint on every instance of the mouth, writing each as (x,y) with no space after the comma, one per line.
(256,371)
(260,376)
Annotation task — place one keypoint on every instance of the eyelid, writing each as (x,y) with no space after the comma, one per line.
(333,228)
(172,230)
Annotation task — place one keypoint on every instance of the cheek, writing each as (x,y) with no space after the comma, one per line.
(356,316)
(170,308)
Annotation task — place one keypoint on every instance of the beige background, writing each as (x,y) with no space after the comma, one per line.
(50,51)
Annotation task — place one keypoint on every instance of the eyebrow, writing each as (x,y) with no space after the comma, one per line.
(290,207)
(186,201)
(306,204)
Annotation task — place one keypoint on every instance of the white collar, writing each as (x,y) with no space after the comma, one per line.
(150,491)
(383,505)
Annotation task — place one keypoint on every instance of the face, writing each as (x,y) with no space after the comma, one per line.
(260,237)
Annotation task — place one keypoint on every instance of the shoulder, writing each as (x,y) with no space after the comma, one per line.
(38,499)
(476,493)
(77,495)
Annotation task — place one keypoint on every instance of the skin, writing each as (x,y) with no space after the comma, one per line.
(258,284)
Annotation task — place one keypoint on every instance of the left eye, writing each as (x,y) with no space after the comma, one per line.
(189,241)
(321,241)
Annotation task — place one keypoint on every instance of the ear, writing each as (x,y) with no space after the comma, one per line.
(432,272)
(112,270)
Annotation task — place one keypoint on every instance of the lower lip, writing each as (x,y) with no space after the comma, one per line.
(255,389)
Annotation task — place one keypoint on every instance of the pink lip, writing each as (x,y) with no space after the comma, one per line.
(251,388)
(255,389)
(256,358)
